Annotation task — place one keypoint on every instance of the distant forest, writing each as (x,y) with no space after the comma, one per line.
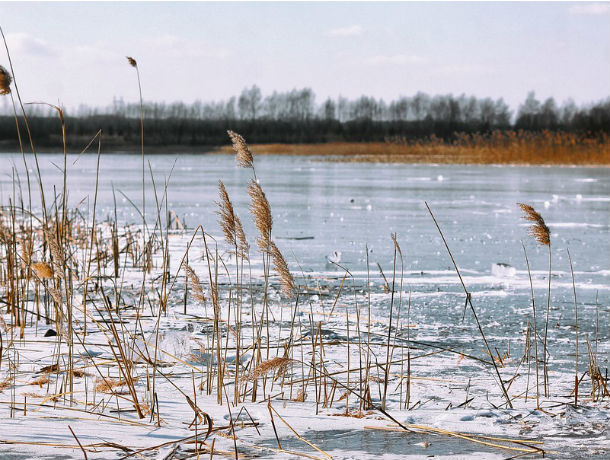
(294,117)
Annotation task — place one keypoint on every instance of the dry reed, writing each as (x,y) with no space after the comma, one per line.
(43,270)
(5,81)
(196,288)
(538,230)
(242,151)
(281,267)
(261,211)
(278,364)
(497,147)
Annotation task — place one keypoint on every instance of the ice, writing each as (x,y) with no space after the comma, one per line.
(502,270)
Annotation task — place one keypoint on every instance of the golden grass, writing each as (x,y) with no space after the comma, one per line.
(538,229)
(281,267)
(43,270)
(108,385)
(275,364)
(5,81)
(40,381)
(242,152)
(499,147)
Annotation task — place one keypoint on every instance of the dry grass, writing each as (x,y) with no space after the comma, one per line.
(5,81)
(108,385)
(43,270)
(40,381)
(196,288)
(242,151)
(261,211)
(275,364)
(539,230)
(281,267)
(510,147)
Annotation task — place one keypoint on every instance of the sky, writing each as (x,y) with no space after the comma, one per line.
(74,53)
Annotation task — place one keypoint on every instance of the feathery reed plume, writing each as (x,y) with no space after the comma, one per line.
(243,246)
(197,290)
(5,81)
(230,223)
(227,215)
(56,295)
(539,229)
(261,211)
(40,381)
(6,383)
(43,270)
(132,61)
(242,152)
(56,252)
(300,396)
(281,267)
(277,363)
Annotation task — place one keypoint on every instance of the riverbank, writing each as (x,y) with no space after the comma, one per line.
(535,152)
(509,148)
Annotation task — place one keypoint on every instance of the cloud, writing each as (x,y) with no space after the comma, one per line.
(465,69)
(349,31)
(396,59)
(176,46)
(593,9)
(26,44)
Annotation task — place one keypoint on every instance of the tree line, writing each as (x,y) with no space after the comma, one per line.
(295,117)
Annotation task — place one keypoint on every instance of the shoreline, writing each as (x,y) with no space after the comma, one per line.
(379,152)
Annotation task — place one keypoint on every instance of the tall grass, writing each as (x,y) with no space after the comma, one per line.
(497,147)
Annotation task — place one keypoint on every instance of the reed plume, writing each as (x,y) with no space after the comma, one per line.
(132,61)
(261,211)
(281,267)
(56,252)
(277,363)
(5,81)
(197,290)
(243,246)
(231,224)
(43,270)
(227,215)
(539,230)
(242,151)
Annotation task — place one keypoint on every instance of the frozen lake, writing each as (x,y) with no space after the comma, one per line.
(343,206)
(320,208)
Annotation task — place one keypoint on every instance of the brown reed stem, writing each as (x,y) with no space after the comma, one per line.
(474,313)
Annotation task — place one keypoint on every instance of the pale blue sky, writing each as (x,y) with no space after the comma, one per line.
(75,52)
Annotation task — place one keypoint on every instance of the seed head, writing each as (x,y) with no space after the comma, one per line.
(539,229)
(242,151)
(262,214)
(5,81)
(281,267)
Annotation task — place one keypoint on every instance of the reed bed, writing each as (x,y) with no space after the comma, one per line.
(497,147)
(108,328)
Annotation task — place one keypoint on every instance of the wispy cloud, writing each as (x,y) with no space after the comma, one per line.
(349,31)
(593,9)
(27,44)
(179,46)
(465,69)
(395,59)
